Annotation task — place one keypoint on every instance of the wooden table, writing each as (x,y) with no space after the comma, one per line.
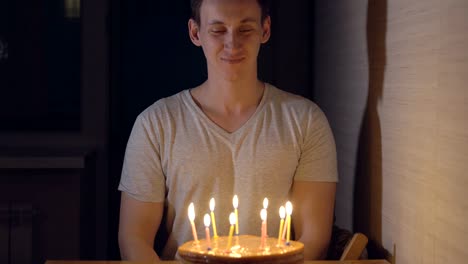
(379,261)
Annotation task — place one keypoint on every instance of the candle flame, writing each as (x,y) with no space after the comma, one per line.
(232,219)
(282,212)
(212,204)
(265,203)
(235,201)
(191,212)
(289,208)
(263,214)
(207,220)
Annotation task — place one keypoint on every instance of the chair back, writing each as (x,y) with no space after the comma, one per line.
(355,247)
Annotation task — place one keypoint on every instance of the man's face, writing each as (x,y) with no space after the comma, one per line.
(230,33)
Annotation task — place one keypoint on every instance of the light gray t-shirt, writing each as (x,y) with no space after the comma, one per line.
(176,154)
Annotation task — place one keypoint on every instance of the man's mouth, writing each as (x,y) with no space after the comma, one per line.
(232,60)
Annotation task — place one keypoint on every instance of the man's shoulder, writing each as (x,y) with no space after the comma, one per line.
(290,100)
(164,106)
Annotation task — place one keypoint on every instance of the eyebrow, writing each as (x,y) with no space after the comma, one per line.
(219,22)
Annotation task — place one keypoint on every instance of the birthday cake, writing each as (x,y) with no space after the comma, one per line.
(243,249)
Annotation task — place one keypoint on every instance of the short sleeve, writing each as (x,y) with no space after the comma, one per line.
(142,177)
(318,151)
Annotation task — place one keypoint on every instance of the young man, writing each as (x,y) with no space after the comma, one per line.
(233,134)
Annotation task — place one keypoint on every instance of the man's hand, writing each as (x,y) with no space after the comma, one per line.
(313,216)
(139,222)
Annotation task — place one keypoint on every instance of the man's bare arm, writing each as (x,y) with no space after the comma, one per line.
(139,222)
(313,216)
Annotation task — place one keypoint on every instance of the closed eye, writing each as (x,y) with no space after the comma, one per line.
(218,31)
(245,30)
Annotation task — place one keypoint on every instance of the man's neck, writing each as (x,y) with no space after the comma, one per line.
(229,97)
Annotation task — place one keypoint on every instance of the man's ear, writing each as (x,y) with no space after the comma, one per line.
(266,28)
(194,30)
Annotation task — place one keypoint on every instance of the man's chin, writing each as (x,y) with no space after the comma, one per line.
(232,72)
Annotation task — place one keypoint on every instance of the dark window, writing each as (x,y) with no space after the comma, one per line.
(40,65)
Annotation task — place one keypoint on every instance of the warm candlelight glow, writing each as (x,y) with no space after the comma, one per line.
(265,203)
(191,215)
(289,208)
(191,212)
(282,212)
(263,214)
(212,207)
(232,219)
(207,220)
(212,204)
(235,201)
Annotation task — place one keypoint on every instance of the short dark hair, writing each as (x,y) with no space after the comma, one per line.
(196,4)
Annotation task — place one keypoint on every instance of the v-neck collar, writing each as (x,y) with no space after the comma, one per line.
(219,130)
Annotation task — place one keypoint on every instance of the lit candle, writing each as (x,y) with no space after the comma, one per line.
(288,213)
(263,216)
(232,221)
(207,230)
(212,207)
(191,215)
(235,203)
(282,213)
(285,227)
(265,206)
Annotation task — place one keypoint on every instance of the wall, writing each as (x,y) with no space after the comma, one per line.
(391,77)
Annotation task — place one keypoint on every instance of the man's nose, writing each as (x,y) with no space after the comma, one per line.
(232,40)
